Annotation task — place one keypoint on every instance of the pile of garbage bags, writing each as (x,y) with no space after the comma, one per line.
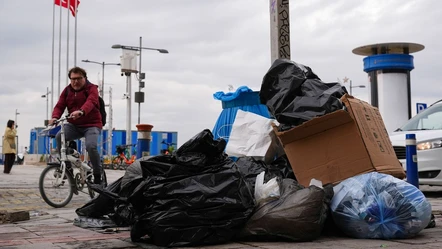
(200,196)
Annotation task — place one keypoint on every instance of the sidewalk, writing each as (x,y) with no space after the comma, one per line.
(53,228)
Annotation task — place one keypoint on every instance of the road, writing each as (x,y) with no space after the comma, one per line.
(19,190)
(53,228)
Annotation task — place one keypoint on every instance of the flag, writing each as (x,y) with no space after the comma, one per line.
(72,5)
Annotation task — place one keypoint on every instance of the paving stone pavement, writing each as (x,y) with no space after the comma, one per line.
(53,228)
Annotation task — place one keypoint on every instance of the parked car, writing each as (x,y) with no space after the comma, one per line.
(427,125)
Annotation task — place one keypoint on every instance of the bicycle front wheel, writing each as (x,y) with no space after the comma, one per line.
(56,192)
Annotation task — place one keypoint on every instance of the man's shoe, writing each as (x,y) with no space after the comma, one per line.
(97,179)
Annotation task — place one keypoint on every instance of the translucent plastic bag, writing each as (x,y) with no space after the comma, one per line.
(266,190)
(379,206)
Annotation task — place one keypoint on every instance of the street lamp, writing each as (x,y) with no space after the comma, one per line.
(351,84)
(139,96)
(102,74)
(47,105)
(117,46)
(358,86)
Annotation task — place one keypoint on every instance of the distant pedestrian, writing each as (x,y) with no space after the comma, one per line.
(9,146)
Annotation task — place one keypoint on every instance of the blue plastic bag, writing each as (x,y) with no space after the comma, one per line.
(379,206)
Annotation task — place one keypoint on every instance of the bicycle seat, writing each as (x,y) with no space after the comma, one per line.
(120,149)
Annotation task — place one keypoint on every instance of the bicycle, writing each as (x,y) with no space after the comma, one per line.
(170,148)
(122,161)
(59,176)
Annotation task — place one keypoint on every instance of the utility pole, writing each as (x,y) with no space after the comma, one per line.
(47,103)
(128,109)
(139,96)
(16,113)
(110,128)
(279,30)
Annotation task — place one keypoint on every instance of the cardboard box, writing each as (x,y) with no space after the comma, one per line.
(342,144)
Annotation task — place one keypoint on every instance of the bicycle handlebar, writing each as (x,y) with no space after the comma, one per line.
(53,125)
(62,119)
(126,145)
(166,143)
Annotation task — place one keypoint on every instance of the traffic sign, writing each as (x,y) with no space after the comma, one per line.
(420,107)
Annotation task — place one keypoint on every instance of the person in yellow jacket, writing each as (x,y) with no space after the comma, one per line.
(9,146)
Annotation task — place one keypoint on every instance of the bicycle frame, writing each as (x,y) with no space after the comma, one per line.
(123,156)
(170,148)
(126,160)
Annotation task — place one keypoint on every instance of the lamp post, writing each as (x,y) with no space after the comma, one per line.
(351,84)
(358,86)
(47,105)
(102,73)
(139,96)
(16,113)
(103,64)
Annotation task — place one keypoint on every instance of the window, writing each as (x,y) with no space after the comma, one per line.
(430,119)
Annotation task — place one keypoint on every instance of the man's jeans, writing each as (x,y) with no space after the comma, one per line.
(90,134)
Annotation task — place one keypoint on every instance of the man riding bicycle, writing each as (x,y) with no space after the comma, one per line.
(80,97)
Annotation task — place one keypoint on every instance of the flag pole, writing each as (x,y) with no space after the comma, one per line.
(68,10)
(52,66)
(75,38)
(59,52)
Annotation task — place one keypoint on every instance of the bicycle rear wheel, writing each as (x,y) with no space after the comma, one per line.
(56,192)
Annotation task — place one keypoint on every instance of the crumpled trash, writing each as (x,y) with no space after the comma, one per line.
(294,94)
(250,167)
(86,222)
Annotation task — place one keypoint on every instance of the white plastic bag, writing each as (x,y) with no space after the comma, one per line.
(252,135)
(265,190)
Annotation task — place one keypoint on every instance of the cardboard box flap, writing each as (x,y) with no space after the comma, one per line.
(372,131)
(314,126)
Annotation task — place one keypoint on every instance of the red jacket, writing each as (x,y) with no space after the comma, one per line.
(85,99)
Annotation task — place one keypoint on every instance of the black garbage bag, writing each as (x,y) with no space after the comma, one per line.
(281,167)
(299,214)
(195,197)
(103,204)
(202,150)
(294,94)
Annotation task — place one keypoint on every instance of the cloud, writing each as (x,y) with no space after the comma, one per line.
(212,44)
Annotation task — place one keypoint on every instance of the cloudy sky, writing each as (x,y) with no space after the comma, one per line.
(212,44)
